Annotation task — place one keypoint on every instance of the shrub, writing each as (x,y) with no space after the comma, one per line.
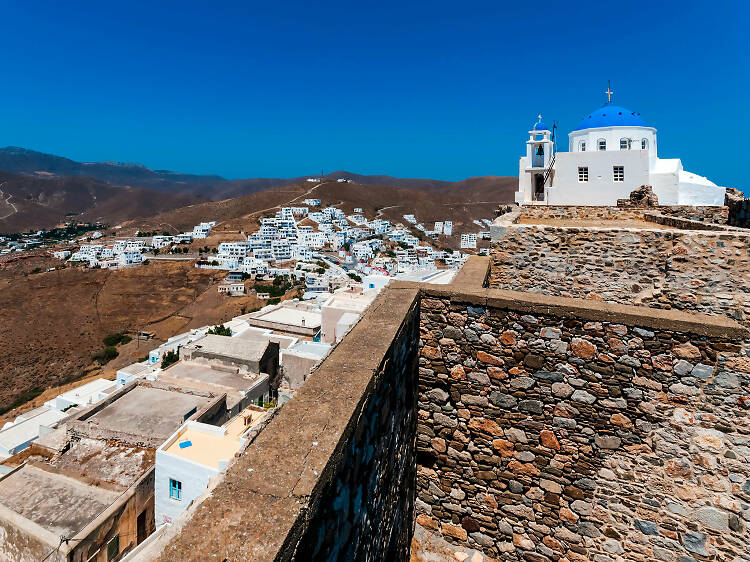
(276,300)
(220,330)
(105,356)
(170,357)
(354,276)
(113,339)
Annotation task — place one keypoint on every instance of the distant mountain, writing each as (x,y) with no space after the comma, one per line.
(23,161)
(41,189)
(35,203)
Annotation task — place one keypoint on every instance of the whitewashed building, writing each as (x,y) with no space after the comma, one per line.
(612,152)
(468,240)
(194,455)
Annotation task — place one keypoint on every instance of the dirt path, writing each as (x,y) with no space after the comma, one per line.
(380,212)
(280,205)
(7,202)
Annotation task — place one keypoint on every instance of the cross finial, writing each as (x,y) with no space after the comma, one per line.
(609,92)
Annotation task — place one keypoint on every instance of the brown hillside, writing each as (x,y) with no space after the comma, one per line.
(53,322)
(460,202)
(36,203)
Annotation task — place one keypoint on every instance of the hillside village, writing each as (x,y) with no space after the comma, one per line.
(324,247)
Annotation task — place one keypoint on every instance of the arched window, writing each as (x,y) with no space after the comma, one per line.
(602,144)
(624,144)
(644,144)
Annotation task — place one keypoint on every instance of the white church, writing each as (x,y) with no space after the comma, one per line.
(611,153)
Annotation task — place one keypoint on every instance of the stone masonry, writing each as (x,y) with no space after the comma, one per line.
(705,272)
(552,429)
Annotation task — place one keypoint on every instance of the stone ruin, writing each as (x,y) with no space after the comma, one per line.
(643,196)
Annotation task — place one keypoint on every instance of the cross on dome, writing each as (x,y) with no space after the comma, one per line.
(609,92)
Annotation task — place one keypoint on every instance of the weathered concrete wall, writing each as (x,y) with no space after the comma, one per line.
(120,519)
(332,476)
(557,429)
(706,272)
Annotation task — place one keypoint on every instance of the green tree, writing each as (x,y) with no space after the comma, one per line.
(220,330)
(170,358)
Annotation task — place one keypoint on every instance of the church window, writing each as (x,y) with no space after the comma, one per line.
(624,144)
(583,173)
(618,173)
(582,146)
(644,144)
(602,144)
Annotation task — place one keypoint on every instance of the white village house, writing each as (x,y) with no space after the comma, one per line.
(612,152)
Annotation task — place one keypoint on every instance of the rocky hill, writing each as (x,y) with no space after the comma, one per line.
(36,202)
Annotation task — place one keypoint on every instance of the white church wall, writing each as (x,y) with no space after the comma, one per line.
(697,190)
(600,189)
(613,135)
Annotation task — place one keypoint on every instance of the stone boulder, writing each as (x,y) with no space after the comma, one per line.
(643,196)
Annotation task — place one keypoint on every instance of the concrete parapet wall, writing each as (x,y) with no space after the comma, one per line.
(706,272)
(551,428)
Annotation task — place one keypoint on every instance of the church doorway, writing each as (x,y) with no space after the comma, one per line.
(538,187)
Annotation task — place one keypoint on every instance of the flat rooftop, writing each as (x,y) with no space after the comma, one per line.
(136,369)
(295,317)
(356,302)
(203,377)
(253,334)
(246,349)
(28,428)
(210,445)
(151,412)
(60,504)
(104,464)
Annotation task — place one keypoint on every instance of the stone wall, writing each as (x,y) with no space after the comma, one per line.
(333,475)
(716,215)
(706,272)
(739,213)
(365,509)
(571,212)
(682,223)
(553,429)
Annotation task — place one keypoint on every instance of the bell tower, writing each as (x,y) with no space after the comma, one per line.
(540,156)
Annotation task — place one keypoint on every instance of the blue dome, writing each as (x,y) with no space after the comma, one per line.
(540,127)
(611,116)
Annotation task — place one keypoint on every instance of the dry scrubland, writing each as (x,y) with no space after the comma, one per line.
(53,322)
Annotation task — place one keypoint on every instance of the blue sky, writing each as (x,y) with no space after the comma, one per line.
(443,90)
